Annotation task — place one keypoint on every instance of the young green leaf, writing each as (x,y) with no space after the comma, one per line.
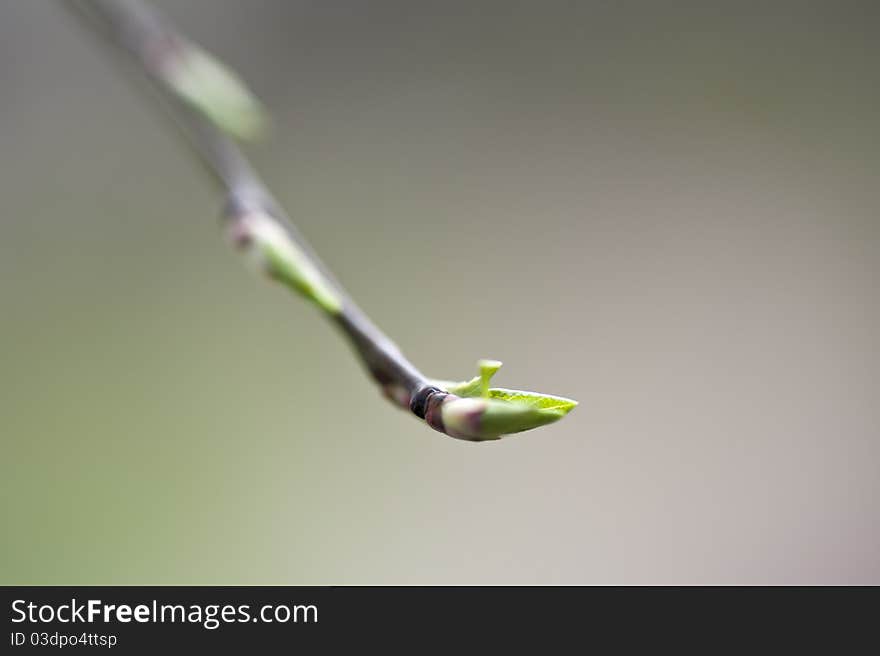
(466,388)
(542,401)
(476,386)
(488,368)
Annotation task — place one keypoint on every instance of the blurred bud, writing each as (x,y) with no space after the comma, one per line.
(272,251)
(214,90)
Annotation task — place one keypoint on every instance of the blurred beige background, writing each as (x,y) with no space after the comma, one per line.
(666,210)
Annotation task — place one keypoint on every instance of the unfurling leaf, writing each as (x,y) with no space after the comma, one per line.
(484,413)
(476,386)
(542,401)
(488,368)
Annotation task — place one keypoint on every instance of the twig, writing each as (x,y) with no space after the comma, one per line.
(207,102)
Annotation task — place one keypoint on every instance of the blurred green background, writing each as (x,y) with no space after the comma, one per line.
(666,210)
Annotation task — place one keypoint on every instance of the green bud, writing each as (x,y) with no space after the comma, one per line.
(271,249)
(215,91)
(484,413)
(488,419)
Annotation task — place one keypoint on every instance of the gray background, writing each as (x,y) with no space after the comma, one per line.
(666,210)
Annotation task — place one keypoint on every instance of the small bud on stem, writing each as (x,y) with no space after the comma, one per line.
(474,411)
(212,89)
(271,249)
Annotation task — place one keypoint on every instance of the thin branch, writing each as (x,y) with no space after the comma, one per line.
(208,102)
(153,41)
